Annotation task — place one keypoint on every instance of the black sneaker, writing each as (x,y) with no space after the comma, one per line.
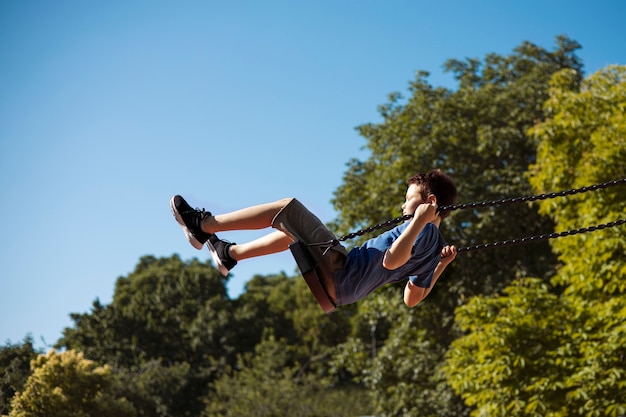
(190,220)
(219,251)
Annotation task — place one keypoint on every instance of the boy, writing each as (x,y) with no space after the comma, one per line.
(414,251)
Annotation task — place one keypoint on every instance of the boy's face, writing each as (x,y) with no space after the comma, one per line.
(413,199)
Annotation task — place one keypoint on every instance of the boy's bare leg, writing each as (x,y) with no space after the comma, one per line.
(251,218)
(201,227)
(272,243)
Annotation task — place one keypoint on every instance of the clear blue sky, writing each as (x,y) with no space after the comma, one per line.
(109,108)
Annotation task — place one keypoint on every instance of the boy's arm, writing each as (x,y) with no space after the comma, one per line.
(400,251)
(413,294)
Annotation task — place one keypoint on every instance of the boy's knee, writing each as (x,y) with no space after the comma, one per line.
(283,202)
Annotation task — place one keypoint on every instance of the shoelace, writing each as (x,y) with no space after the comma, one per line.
(203,214)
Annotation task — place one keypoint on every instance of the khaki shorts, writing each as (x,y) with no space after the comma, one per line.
(300,224)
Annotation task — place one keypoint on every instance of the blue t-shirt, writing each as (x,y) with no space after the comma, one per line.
(364,271)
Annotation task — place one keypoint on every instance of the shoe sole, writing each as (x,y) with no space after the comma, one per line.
(216,259)
(190,237)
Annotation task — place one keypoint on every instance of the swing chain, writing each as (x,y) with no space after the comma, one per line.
(512,200)
(541,237)
(375,227)
(491,203)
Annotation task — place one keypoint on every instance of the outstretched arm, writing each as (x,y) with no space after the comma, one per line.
(413,294)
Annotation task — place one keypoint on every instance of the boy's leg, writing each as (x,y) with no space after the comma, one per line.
(250,218)
(273,243)
(226,254)
(295,223)
(200,225)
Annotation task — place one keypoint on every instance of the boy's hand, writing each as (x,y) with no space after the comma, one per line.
(448,253)
(427,211)
(413,295)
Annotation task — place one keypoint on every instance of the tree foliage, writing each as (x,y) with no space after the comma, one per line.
(14,370)
(557,350)
(270,383)
(68,385)
(477,134)
(170,325)
(584,142)
(171,331)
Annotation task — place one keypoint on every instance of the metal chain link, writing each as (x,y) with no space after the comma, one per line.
(513,200)
(500,202)
(541,237)
(375,227)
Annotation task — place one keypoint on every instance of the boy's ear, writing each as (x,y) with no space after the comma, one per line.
(431,198)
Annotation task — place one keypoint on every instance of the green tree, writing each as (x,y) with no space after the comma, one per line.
(160,390)
(584,142)
(285,308)
(66,384)
(168,320)
(171,330)
(505,365)
(264,305)
(557,350)
(14,370)
(478,134)
(270,383)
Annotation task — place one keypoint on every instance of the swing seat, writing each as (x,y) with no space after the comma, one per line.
(310,271)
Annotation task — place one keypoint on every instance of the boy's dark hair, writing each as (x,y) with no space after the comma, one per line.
(437,183)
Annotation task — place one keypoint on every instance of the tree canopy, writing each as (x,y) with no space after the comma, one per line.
(557,349)
(14,370)
(479,135)
(67,384)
